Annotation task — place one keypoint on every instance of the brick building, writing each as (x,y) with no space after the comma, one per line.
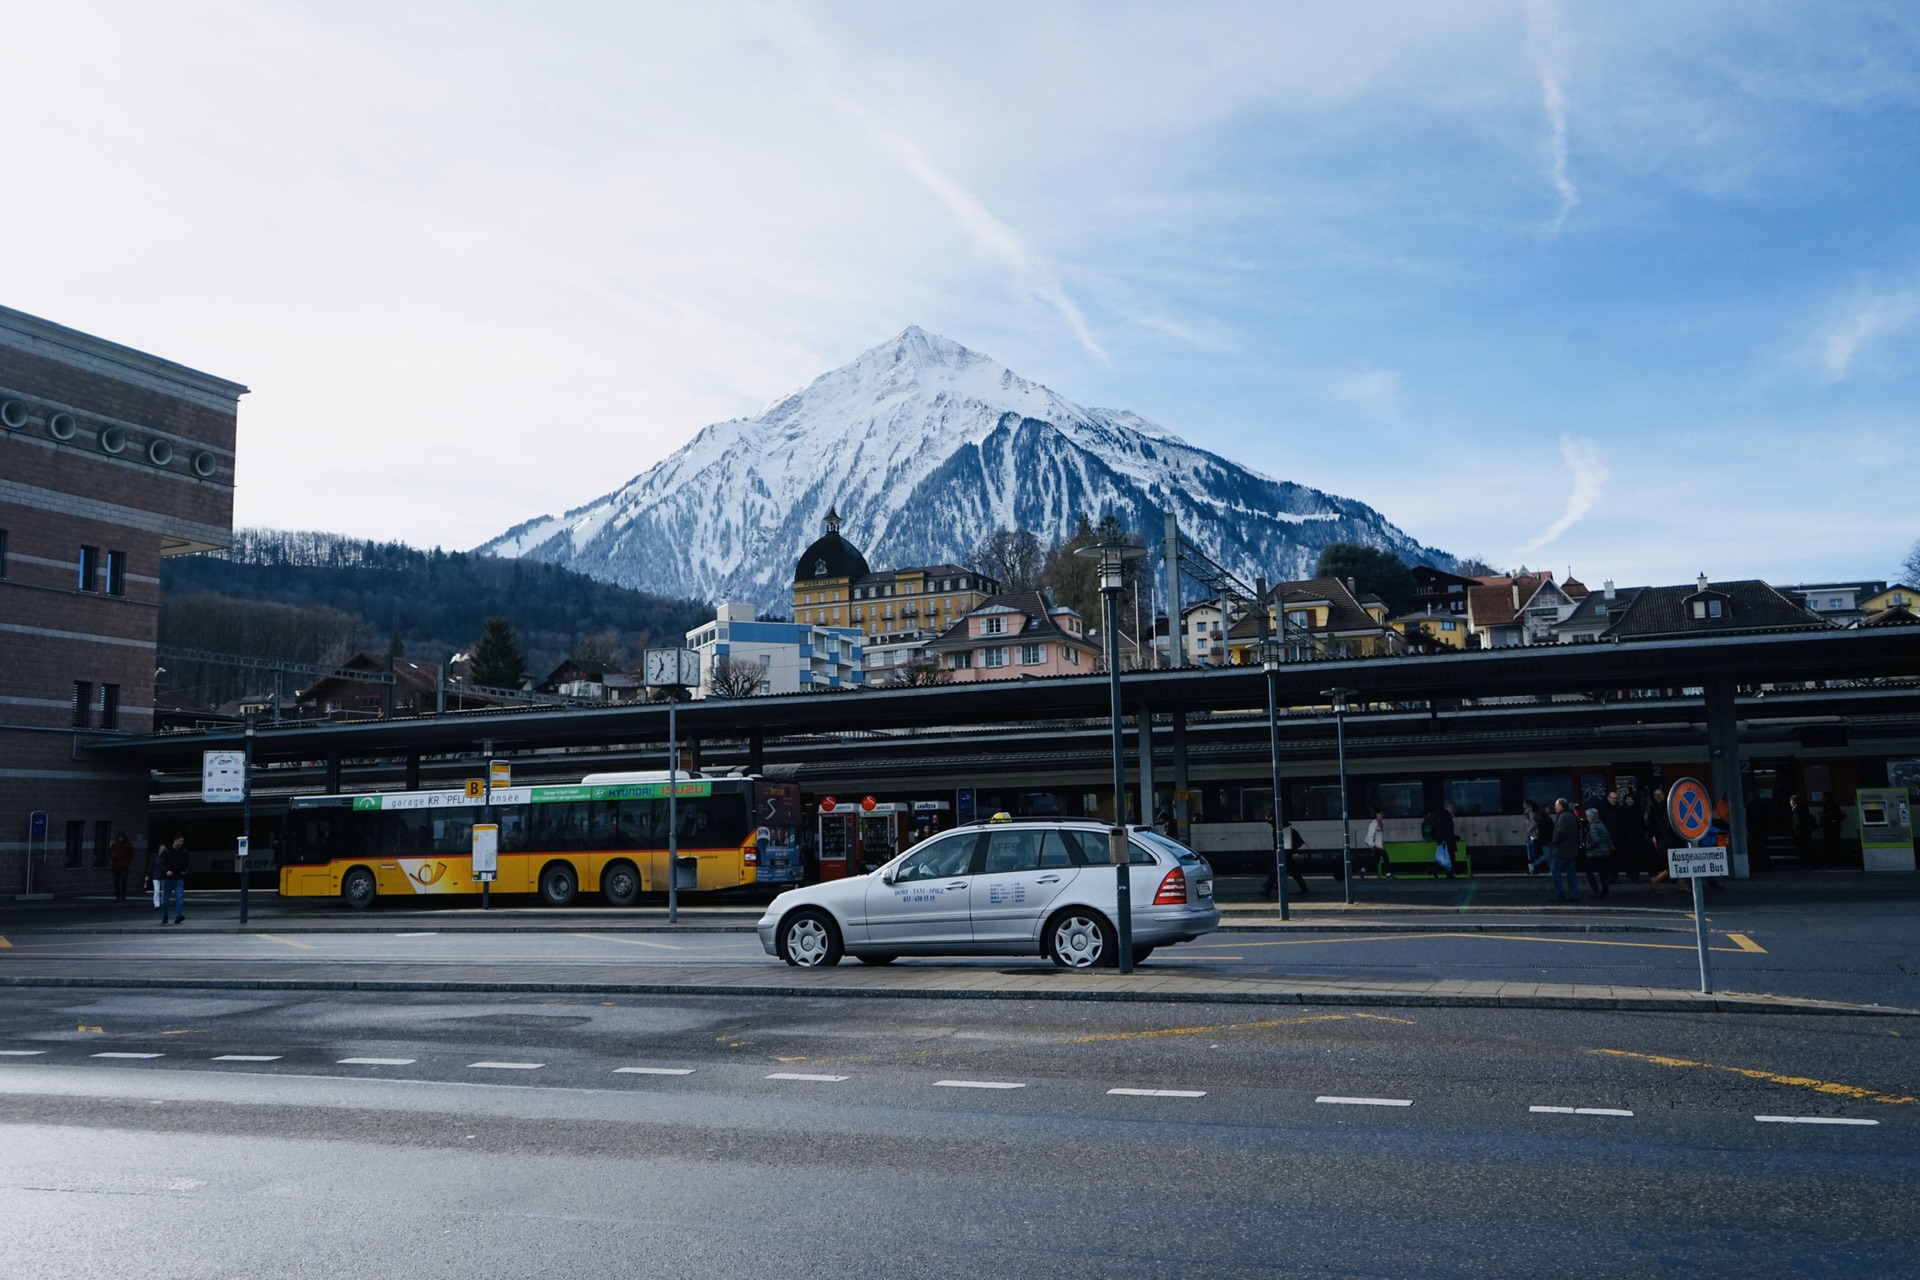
(109,460)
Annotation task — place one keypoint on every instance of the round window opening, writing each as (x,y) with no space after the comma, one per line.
(113,440)
(160,453)
(205,464)
(61,426)
(14,414)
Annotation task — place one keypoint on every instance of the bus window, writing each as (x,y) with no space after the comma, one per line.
(603,824)
(405,833)
(642,824)
(453,829)
(559,827)
(512,820)
(310,837)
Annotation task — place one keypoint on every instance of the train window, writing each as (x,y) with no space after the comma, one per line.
(1317,803)
(1474,795)
(1545,788)
(1401,799)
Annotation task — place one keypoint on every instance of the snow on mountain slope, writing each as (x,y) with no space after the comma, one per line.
(924,447)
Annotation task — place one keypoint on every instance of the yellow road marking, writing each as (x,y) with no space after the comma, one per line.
(1381,1017)
(1745,943)
(1798,1082)
(286,942)
(5,943)
(86,1030)
(193,1032)
(632,942)
(1506,937)
(1224,1026)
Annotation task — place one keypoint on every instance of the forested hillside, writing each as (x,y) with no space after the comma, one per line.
(316,597)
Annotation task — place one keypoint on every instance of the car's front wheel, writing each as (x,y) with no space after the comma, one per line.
(1080,939)
(810,940)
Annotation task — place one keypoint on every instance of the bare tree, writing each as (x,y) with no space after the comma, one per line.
(603,647)
(1012,557)
(730,679)
(921,674)
(1911,565)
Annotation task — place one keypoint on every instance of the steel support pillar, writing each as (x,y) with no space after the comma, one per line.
(1723,747)
(1182,805)
(413,772)
(333,774)
(1143,720)
(757,753)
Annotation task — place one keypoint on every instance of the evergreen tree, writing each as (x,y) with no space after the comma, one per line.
(1373,571)
(497,660)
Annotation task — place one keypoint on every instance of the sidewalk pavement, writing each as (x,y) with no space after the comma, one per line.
(1020,981)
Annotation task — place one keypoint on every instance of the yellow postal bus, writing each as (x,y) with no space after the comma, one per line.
(607,835)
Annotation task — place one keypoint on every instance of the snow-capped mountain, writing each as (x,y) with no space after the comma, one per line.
(924,447)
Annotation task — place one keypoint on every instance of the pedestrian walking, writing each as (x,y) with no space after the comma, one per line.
(120,862)
(1539,831)
(1630,837)
(173,880)
(1660,836)
(1376,844)
(1294,842)
(1832,819)
(1599,855)
(1563,852)
(1801,818)
(1445,841)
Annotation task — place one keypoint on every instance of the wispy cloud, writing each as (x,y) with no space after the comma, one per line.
(1587,481)
(1031,270)
(1549,63)
(1373,389)
(1866,322)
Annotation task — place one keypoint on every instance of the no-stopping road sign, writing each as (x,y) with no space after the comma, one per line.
(1690,809)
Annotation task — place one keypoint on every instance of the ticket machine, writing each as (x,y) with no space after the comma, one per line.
(1886,829)
(839,840)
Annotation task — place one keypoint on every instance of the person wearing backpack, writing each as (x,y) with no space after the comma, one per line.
(1563,852)
(1599,855)
(1294,842)
(1444,838)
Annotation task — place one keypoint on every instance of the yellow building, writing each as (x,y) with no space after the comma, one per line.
(834,586)
(1897,596)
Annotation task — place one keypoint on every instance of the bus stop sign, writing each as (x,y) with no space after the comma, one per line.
(1690,809)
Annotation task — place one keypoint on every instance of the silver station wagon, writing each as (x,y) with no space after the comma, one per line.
(1005,888)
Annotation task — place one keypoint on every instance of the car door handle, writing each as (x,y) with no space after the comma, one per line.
(1048,880)
(958,884)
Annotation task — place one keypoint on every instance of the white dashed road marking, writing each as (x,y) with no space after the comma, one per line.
(248,1057)
(1364,1102)
(1578,1111)
(375,1062)
(434,934)
(21,1053)
(129,1055)
(795,1075)
(1813,1120)
(506,1066)
(976,1084)
(653,1071)
(1159,1093)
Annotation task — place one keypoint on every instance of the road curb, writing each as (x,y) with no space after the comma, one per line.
(235,929)
(1677,1003)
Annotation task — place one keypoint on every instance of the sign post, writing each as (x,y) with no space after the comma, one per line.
(673,670)
(486,854)
(224,780)
(36,835)
(487,824)
(1690,810)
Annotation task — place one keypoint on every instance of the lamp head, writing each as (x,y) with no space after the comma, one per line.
(1112,557)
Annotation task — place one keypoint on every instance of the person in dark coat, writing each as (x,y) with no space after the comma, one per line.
(1801,818)
(1599,855)
(1832,819)
(120,862)
(1660,835)
(173,880)
(1564,852)
(1295,842)
(1630,837)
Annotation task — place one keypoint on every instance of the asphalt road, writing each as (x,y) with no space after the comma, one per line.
(1859,952)
(502,1136)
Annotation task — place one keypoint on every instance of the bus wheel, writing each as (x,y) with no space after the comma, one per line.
(620,885)
(357,888)
(808,939)
(558,885)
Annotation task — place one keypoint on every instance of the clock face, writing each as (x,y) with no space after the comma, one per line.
(660,666)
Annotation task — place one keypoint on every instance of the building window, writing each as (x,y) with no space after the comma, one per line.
(961,660)
(1449,626)
(102,840)
(1032,655)
(996,657)
(109,706)
(1073,656)
(89,569)
(3,553)
(82,703)
(116,573)
(76,836)
(992,626)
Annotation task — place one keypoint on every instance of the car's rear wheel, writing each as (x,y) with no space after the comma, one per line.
(1080,939)
(620,884)
(357,887)
(872,958)
(810,940)
(558,884)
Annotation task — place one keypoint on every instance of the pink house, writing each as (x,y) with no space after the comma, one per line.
(1015,635)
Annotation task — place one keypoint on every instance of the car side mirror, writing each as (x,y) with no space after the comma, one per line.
(886,877)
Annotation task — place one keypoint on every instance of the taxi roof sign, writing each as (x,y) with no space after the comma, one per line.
(1690,809)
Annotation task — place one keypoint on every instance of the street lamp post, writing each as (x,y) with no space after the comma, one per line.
(1270,661)
(246,819)
(1112,556)
(1340,697)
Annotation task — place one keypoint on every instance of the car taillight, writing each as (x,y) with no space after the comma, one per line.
(1173,890)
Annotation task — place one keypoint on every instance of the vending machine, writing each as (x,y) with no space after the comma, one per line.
(839,840)
(1886,829)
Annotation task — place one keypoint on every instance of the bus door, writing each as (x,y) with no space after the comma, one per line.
(837,839)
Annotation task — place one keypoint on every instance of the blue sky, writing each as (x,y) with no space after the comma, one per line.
(1629,288)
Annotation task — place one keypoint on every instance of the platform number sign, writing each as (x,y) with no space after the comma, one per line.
(1690,809)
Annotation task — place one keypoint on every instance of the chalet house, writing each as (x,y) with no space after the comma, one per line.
(415,690)
(591,682)
(1436,591)
(1522,609)
(1016,635)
